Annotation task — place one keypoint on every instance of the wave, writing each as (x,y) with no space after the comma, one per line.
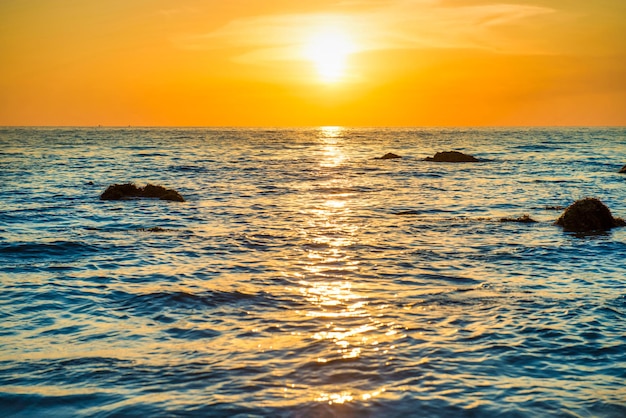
(188,168)
(180,302)
(55,249)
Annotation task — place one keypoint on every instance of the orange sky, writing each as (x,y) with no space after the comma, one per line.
(312,63)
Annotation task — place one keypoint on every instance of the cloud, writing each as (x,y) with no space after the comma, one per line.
(373,25)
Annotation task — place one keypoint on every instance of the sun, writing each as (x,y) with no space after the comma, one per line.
(329,49)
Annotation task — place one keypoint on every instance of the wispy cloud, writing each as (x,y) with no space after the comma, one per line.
(373,25)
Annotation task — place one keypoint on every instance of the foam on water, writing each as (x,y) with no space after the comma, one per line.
(302,277)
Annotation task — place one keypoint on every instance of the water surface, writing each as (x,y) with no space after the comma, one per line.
(303,278)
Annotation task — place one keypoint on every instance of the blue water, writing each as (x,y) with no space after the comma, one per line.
(303,278)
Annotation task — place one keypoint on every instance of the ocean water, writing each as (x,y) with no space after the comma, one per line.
(304,278)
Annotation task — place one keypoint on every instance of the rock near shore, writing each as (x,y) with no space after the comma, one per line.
(452,157)
(131,191)
(588,214)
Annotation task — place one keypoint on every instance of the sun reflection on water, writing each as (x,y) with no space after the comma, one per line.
(333,203)
(330,137)
(333,157)
(345,332)
(339,398)
(325,296)
(326,132)
(346,396)
(332,296)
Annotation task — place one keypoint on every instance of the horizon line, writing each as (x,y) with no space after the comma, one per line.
(315,126)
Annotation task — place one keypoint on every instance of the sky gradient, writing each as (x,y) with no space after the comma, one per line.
(312,63)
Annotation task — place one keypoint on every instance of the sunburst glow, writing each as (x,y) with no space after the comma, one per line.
(329,50)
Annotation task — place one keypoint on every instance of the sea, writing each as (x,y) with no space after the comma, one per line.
(304,277)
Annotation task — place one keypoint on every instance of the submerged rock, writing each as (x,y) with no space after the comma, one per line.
(388,156)
(557,207)
(525,219)
(452,157)
(153,229)
(408,212)
(622,170)
(588,214)
(130,191)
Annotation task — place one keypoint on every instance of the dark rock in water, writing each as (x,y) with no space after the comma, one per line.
(558,207)
(622,170)
(121,191)
(390,156)
(524,219)
(172,195)
(588,214)
(162,193)
(452,157)
(130,191)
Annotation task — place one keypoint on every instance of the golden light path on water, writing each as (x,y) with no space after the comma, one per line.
(327,287)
